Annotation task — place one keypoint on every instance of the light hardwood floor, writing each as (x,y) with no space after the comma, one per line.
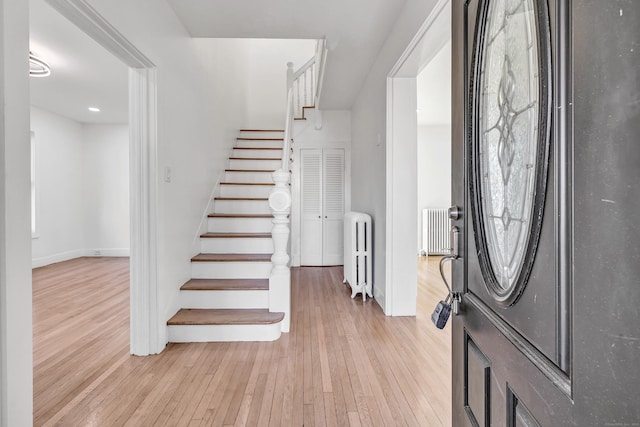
(344,363)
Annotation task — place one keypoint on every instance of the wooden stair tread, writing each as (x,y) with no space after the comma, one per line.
(232,258)
(255,158)
(257,148)
(225,317)
(242,198)
(261,130)
(226,285)
(249,170)
(269,184)
(211,235)
(259,139)
(221,215)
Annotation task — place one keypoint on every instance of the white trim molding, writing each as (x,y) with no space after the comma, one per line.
(86,18)
(145,335)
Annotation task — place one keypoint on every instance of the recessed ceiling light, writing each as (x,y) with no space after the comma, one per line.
(94,109)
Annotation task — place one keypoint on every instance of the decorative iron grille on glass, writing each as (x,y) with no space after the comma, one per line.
(510,142)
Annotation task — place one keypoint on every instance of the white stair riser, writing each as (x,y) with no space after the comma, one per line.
(261,177)
(224,333)
(260,135)
(230,270)
(259,143)
(241,206)
(223,299)
(255,164)
(240,225)
(245,190)
(236,245)
(261,154)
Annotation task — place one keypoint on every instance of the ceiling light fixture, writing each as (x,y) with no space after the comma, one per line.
(94,109)
(37,67)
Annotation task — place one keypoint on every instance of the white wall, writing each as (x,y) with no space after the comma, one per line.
(267,78)
(16,376)
(369,133)
(334,133)
(59,192)
(82,189)
(434,170)
(201,96)
(106,189)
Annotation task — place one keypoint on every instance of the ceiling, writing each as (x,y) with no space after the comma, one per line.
(83,73)
(355,31)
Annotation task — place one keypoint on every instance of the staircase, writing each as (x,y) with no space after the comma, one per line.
(227,298)
(241,283)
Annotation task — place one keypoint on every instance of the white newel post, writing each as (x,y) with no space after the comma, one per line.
(280,278)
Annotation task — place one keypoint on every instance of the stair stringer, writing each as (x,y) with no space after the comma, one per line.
(202,227)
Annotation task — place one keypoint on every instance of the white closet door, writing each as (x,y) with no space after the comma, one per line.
(311,206)
(333,207)
(322,189)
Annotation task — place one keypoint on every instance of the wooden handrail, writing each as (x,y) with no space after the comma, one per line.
(304,68)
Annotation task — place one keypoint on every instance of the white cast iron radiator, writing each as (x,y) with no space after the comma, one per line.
(435,231)
(357,253)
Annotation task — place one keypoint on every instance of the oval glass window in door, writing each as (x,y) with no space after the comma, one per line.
(510,141)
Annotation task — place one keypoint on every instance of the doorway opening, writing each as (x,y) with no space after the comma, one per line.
(404,195)
(145,337)
(434,153)
(79,122)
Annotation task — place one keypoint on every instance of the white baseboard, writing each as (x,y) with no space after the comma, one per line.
(52,259)
(379,299)
(295,260)
(111,252)
(66,256)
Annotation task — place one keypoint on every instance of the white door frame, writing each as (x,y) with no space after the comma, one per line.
(401,202)
(145,333)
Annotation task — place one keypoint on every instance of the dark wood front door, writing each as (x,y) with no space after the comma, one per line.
(546,161)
